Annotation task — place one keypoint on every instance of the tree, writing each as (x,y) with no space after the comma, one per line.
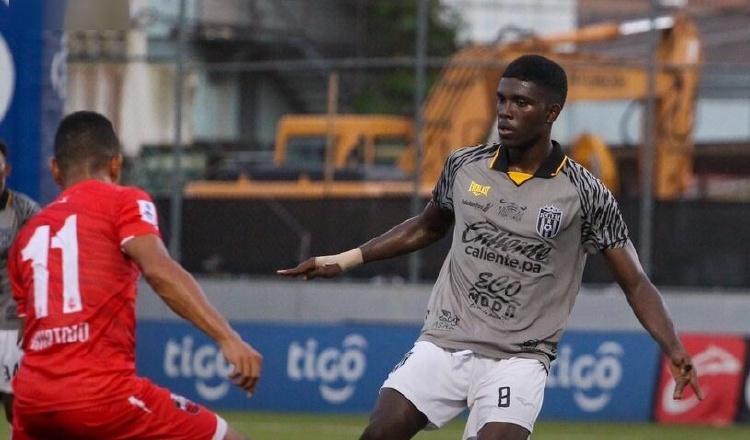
(388,28)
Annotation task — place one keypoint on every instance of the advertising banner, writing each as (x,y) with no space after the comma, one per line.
(606,376)
(32,90)
(313,368)
(719,360)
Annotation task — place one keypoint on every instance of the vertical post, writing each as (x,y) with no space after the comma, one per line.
(649,144)
(420,84)
(175,219)
(330,154)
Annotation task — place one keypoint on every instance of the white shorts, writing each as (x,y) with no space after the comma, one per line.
(10,355)
(443,383)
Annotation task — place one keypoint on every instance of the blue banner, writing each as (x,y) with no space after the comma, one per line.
(310,368)
(608,376)
(32,90)
(340,368)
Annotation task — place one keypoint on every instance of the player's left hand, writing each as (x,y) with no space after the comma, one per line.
(684,374)
(247,363)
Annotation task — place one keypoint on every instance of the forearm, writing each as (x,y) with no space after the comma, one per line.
(402,239)
(650,309)
(179,290)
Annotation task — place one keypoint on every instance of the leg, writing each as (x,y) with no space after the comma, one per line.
(394,418)
(507,399)
(8,404)
(503,431)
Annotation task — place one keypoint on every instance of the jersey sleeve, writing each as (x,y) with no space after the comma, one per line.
(25,207)
(603,226)
(442,194)
(137,215)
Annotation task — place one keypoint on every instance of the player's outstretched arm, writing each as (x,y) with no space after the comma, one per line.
(180,291)
(415,233)
(648,305)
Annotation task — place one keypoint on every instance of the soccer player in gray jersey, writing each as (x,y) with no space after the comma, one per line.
(524,217)
(15,209)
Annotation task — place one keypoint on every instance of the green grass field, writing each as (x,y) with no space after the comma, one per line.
(267,426)
(347,427)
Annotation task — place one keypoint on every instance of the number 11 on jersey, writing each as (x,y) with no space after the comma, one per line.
(37,250)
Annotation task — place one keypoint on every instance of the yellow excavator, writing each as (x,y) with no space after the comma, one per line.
(330,155)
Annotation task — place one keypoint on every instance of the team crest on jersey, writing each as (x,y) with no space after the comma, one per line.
(479,190)
(185,405)
(148,212)
(548,222)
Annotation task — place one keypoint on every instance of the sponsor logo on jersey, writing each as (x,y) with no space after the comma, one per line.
(205,363)
(548,222)
(511,210)
(148,212)
(592,376)
(8,74)
(337,370)
(495,296)
(445,321)
(486,233)
(484,207)
(479,190)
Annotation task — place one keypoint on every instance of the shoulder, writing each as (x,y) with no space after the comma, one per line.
(21,199)
(473,153)
(24,205)
(585,182)
(468,155)
(596,199)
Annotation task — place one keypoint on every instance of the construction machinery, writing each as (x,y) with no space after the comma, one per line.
(460,111)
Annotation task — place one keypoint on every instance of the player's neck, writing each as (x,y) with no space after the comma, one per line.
(528,160)
(82,177)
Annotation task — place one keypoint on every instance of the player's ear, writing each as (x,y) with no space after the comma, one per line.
(553,113)
(56,172)
(115,168)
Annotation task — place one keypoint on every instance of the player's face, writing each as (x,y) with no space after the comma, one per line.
(524,117)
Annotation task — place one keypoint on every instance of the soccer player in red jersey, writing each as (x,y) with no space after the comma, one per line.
(74,269)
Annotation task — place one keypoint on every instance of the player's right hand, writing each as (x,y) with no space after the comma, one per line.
(247,363)
(684,374)
(312,268)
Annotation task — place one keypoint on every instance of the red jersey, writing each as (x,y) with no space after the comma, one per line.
(77,289)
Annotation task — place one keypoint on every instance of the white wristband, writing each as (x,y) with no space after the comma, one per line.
(345,260)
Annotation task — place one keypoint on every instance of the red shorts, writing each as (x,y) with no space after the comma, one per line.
(150,413)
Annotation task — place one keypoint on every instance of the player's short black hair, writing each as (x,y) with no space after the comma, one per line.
(85,139)
(541,71)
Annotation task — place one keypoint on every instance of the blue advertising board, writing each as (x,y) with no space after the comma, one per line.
(608,376)
(32,90)
(311,368)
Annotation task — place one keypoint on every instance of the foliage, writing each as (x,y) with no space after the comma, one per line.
(390,30)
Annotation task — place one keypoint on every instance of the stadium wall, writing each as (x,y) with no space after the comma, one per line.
(695,243)
(328,345)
